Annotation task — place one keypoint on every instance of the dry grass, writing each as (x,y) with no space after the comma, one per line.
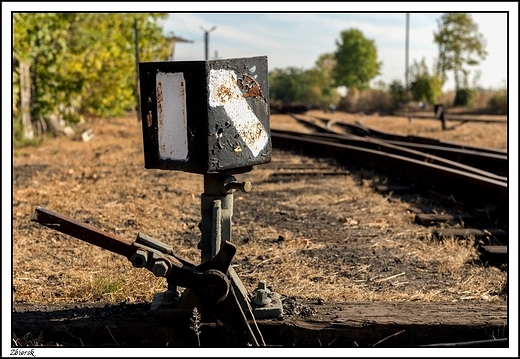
(314,236)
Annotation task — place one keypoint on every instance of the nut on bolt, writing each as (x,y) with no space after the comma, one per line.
(262,294)
(139,258)
(262,284)
(242,186)
(160,268)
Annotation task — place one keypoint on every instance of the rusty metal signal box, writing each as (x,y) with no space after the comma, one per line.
(206,117)
(209,118)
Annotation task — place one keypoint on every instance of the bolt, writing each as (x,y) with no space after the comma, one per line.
(160,268)
(139,258)
(262,294)
(261,298)
(242,186)
(262,285)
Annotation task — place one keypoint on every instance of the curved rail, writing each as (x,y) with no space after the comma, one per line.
(489,162)
(485,187)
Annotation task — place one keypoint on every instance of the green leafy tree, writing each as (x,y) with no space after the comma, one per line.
(460,45)
(291,85)
(356,60)
(109,58)
(287,85)
(321,81)
(83,61)
(40,41)
(424,87)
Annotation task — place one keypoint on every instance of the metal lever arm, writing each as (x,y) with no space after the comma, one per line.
(208,279)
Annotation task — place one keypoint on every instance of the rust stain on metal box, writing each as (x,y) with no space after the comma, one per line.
(159,104)
(224,93)
(250,86)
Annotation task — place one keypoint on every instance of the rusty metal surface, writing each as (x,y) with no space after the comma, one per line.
(484,186)
(397,149)
(83,231)
(364,130)
(223,105)
(229,316)
(491,160)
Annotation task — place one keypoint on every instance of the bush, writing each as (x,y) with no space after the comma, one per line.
(426,88)
(498,101)
(398,93)
(464,97)
(366,101)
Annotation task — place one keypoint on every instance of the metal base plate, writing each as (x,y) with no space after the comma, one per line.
(272,310)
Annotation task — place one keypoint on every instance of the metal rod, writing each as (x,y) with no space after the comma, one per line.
(82,231)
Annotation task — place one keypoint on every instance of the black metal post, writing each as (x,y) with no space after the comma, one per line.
(206,40)
(407,47)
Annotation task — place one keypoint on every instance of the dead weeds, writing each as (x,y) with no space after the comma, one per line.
(309,236)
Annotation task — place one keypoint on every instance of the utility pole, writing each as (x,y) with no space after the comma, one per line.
(206,38)
(407,46)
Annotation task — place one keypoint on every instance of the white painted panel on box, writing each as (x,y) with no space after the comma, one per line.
(224,91)
(172,119)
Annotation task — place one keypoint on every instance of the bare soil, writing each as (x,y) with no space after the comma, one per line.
(331,237)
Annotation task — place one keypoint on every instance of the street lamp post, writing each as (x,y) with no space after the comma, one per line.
(206,38)
(406,71)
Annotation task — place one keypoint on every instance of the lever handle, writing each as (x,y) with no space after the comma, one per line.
(207,279)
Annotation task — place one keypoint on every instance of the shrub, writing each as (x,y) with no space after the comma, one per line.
(427,88)
(366,101)
(464,97)
(498,101)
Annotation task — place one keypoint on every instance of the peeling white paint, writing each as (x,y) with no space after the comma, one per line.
(172,118)
(224,91)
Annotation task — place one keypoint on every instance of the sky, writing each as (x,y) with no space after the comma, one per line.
(298,39)
(295,36)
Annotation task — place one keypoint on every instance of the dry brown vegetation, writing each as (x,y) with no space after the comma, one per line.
(331,237)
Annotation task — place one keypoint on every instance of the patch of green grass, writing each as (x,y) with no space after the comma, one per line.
(105,286)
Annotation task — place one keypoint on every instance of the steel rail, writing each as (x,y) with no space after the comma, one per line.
(486,158)
(361,128)
(391,148)
(484,164)
(483,186)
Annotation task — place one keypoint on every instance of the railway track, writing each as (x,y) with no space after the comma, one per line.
(472,179)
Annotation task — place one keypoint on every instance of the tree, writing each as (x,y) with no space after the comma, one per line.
(83,62)
(322,81)
(294,85)
(460,45)
(356,60)
(39,44)
(287,85)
